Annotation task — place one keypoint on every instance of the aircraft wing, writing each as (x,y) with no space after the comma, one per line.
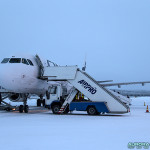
(125,83)
(133,93)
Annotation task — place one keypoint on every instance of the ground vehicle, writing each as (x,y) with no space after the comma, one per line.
(81,82)
(84,83)
(92,108)
(79,103)
(57,92)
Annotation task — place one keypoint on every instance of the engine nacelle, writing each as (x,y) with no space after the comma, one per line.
(17,97)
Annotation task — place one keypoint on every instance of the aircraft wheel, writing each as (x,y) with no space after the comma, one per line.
(91,110)
(38,103)
(26,108)
(0,98)
(55,109)
(43,102)
(8,109)
(21,108)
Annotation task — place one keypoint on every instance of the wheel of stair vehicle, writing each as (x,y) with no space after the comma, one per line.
(55,109)
(26,108)
(21,108)
(91,110)
(38,103)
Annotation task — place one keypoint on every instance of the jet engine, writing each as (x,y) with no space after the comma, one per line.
(17,97)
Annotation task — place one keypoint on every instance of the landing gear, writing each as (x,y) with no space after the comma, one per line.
(38,103)
(43,102)
(21,108)
(0,98)
(8,109)
(24,107)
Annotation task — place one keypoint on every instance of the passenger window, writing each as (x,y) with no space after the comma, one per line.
(5,60)
(15,60)
(30,62)
(24,61)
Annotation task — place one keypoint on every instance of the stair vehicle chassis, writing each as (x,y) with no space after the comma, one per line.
(92,108)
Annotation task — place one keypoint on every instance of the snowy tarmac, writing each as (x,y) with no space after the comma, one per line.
(41,130)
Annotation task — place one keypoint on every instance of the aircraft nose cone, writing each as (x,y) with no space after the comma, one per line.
(10,77)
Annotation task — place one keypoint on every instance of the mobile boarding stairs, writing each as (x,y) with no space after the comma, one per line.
(84,83)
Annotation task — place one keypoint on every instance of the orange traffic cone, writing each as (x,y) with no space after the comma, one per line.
(144,104)
(147,110)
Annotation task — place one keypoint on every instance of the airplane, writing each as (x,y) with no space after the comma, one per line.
(120,84)
(128,93)
(133,93)
(20,77)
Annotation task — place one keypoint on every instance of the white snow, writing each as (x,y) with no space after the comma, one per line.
(41,130)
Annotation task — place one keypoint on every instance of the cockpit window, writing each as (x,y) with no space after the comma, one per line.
(30,62)
(15,60)
(5,60)
(24,61)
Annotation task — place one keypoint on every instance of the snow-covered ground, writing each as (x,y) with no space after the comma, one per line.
(41,130)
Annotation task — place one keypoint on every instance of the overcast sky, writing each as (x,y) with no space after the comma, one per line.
(113,34)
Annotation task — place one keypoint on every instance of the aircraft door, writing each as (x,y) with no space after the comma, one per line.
(54,93)
(40,64)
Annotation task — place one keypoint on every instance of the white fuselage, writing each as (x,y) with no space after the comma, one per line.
(22,78)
